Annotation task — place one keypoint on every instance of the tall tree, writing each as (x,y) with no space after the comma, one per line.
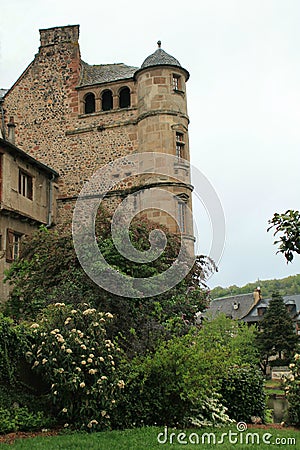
(277,334)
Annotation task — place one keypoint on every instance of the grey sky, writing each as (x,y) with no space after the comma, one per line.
(243,99)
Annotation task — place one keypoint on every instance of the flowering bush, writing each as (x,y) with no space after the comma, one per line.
(293,391)
(72,353)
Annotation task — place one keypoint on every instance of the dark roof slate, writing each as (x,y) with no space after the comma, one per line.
(288,300)
(236,306)
(160,58)
(104,73)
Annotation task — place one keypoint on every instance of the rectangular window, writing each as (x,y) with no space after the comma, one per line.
(182,216)
(179,145)
(176,81)
(13,243)
(25,184)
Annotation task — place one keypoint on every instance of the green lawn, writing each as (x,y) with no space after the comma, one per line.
(146,438)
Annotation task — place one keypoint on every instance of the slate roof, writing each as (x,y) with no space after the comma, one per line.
(236,306)
(104,73)
(160,58)
(288,299)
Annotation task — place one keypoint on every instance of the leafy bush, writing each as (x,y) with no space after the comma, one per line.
(15,419)
(50,256)
(13,341)
(72,353)
(293,391)
(175,382)
(243,394)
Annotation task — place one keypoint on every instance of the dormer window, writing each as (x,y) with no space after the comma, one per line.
(124,97)
(176,81)
(107,100)
(89,103)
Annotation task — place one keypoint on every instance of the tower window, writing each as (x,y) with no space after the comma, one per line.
(25,184)
(176,81)
(124,97)
(107,100)
(89,103)
(182,216)
(179,145)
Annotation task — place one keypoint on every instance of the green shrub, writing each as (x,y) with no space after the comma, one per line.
(21,419)
(13,342)
(174,383)
(72,353)
(293,391)
(243,393)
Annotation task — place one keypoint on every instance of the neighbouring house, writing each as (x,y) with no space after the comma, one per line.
(27,200)
(292,303)
(251,307)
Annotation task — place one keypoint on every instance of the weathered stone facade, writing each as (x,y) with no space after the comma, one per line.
(27,200)
(76,117)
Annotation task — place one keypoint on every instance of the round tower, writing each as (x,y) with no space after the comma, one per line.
(163,128)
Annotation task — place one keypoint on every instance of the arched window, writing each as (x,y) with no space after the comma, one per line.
(107,100)
(124,97)
(89,103)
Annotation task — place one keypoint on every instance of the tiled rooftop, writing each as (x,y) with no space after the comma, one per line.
(160,58)
(104,73)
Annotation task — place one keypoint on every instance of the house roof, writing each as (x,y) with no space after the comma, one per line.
(160,58)
(236,306)
(253,316)
(15,150)
(105,73)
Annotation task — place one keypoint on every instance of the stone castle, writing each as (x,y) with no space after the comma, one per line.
(75,117)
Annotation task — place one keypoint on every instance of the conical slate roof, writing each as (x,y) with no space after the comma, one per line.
(160,58)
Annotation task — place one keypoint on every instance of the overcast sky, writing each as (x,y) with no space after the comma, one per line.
(243,99)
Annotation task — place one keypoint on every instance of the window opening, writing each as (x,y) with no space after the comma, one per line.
(124,97)
(25,184)
(107,100)
(89,103)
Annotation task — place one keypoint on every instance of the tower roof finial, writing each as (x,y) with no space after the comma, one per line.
(159,44)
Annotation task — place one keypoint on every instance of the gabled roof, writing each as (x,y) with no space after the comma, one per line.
(104,73)
(253,316)
(15,150)
(236,306)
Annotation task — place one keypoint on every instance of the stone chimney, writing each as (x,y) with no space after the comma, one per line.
(59,35)
(11,131)
(257,295)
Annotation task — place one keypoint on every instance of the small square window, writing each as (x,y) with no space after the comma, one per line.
(25,184)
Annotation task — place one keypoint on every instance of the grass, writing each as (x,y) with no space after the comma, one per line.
(274,387)
(146,439)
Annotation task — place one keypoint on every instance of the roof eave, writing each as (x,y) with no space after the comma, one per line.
(187,74)
(13,148)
